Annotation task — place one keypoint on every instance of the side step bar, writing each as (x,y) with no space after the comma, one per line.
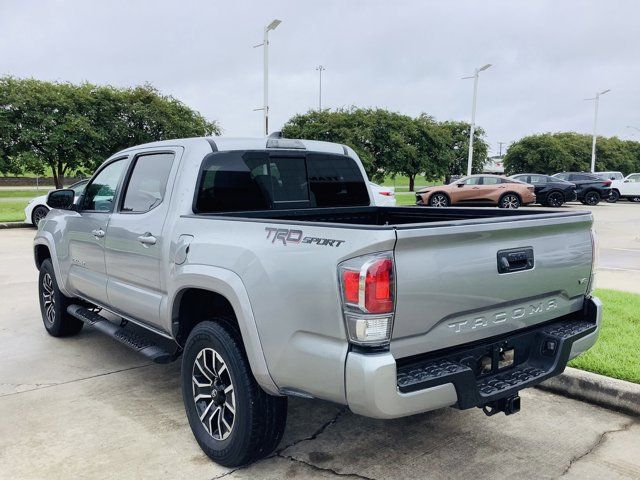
(131,339)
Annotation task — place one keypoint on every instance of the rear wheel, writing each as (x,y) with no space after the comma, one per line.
(509,200)
(439,200)
(614,196)
(234,421)
(555,199)
(592,198)
(38,214)
(53,305)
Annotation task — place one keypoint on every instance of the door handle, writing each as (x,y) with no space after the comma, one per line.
(476,188)
(98,233)
(147,239)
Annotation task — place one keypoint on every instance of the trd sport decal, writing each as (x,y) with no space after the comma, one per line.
(296,237)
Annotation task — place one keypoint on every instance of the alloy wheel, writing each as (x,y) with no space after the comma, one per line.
(48,298)
(213,393)
(510,201)
(38,214)
(592,198)
(555,199)
(439,200)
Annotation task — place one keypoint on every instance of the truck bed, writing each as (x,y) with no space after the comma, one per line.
(396,217)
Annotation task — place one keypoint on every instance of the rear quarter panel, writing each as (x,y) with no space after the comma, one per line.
(293,290)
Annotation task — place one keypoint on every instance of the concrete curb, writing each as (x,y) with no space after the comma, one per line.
(597,389)
(15,225)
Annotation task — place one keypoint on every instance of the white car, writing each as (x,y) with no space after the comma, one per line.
(628,187)
(383,196)
(37,208)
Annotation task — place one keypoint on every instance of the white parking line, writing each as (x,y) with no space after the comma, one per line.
(637,250)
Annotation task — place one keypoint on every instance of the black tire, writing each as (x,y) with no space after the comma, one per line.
(613,197)
(592,198)
(439,199)
(554,199)
(53,304)
(258,420)
(510,200)
(634,199)
(38,213)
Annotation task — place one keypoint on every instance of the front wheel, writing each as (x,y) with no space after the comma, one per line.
(614,196)
(510,200)
(38,214)
(53,305)
(439,200)
(592,198)
(234,421)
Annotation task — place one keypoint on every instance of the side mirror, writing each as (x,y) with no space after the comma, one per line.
(61,199)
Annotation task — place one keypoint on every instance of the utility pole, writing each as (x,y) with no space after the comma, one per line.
(265,102)
(320,69)
(596,99)
(473,113)
(500,148)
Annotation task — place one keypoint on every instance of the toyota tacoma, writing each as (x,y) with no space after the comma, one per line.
(264,266)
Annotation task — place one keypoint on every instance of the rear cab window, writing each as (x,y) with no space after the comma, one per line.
(258,180)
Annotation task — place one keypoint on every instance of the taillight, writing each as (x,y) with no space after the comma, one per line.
(367,286)
(378,297)
(607,183)
(387,194)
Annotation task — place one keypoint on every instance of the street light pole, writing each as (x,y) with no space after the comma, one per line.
(320,69)
(595,126)
(475,77)
(265,94)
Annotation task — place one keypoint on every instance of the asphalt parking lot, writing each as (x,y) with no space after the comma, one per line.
(87,407)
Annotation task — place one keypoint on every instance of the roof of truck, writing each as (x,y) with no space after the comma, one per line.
(249,143)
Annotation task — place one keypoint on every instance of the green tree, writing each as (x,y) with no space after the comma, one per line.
(458,147)
(73,128)
(569,151)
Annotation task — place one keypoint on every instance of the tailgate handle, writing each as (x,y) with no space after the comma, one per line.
(515,260)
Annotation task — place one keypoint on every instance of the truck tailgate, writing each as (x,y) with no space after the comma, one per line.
(450,290)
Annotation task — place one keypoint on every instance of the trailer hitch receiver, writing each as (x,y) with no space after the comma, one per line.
(509,406)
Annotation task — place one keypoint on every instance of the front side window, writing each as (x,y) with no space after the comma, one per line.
(100,193)
(471,181)
(634,178)
(148,182)
(257,180)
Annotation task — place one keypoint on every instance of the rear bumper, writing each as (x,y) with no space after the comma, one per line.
(377,386)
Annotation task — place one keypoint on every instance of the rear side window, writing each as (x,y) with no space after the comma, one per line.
(490,181)
(147,183)
(583,176)
(258,180)
(537,180)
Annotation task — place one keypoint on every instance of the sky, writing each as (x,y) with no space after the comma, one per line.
(406,56)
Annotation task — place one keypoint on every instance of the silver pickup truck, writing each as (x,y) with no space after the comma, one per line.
(265,266)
